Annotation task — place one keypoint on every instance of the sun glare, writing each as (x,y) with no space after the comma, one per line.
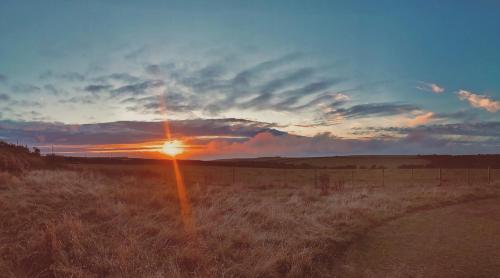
(172,148)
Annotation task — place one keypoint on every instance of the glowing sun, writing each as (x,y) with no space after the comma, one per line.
(172,148)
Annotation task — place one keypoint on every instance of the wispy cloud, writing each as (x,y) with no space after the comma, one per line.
(244,77)
(479,101)
(420,119)
(139,88)
(117,76)
(477,129)
(430,87)
(25,88)
(96,88)
(53,90)
(69,76)
(278,84)
(25,103)
(80,100)
(215,87)
(374,109)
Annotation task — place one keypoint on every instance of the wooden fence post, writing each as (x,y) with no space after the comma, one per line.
(234,176)
(468,176)
(284,178)
(489,175)
(440,177)
(352,178)
(316,177)
(383,177)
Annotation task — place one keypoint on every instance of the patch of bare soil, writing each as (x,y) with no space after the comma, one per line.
(455,241)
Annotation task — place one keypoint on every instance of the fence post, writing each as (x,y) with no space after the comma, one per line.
(316,177)
(468,176)
(383,177)
(352,178)
(284,178)
(440,177)
(411,177)
(234,176)
(489,175)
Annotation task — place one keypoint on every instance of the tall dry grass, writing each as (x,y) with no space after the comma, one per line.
(90,224)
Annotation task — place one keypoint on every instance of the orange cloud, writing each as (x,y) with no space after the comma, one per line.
(149,149)
(420,119)
(479,101)
(268,144)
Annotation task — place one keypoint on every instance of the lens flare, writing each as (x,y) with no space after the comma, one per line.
(182,194)
(172,148)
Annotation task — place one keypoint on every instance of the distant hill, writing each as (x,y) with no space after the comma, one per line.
(357,161)
(380,161)
(18,158)
(334,162)
(463,161)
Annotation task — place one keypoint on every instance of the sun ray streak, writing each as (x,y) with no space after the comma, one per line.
(183,198)
(182,193)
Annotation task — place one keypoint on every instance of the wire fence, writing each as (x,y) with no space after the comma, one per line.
(221,175)
(350,178)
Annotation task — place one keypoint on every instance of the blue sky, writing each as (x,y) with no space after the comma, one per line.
(347,72)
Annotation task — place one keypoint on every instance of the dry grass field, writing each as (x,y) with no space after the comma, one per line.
(126,221)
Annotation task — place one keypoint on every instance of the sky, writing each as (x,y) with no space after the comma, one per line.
(251,78)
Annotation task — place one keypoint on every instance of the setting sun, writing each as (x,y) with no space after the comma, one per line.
(172,148)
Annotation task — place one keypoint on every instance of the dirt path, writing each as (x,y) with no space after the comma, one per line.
(457,241)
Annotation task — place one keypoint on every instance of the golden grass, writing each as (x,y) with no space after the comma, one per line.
(89,223)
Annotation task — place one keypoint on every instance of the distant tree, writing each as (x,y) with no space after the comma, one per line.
(36,151)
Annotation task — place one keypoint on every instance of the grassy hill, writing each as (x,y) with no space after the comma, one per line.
(18,158)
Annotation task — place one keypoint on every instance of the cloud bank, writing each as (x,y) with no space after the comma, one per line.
(223,138)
